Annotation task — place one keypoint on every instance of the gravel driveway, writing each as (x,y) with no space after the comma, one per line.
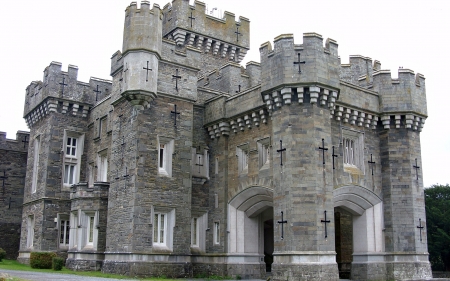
(42,276)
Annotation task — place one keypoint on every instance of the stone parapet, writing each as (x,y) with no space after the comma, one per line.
(195,20)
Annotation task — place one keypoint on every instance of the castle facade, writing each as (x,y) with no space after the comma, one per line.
(188,164)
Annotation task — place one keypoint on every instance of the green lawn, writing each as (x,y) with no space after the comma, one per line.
(14,265)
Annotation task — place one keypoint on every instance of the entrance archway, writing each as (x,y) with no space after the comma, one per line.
(361,210)
(250,218)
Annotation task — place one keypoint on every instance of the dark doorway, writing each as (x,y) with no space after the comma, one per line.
(268,244)
(343,222)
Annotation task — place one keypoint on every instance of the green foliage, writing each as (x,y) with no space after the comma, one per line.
(2,254)
(437,205)
(57,263)
(41,259)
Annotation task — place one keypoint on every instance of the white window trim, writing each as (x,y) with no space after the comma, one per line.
(63,220)
(37,149)
(72,160)
(30,231)
(165,155)
(242,153)
(216,233)
(74,230)
(194,232)
(353,159)
(91,171)
(202,226)
(87,215)
(264,153)
(102,166)
(169,221)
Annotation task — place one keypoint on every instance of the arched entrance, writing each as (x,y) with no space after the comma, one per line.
(358,214)
(250,218)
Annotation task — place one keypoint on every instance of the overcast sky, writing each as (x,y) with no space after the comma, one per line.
(409,33)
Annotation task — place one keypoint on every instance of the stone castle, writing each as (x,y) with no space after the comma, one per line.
(188,164)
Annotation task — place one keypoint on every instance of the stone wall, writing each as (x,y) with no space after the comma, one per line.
(13,163)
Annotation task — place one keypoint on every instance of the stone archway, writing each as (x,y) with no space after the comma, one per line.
(366,211)
(250,219)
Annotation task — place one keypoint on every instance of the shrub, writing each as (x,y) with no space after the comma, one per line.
(57,263)
(41,260)
(2,254)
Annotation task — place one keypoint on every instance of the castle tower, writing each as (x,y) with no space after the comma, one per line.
(141,52)
(299,98)
(404,216)
(56,110)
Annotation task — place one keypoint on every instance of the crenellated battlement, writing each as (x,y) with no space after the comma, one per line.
(142,28)
(191,26)
(288,63)
(232,78)
(403,95)
(61,91)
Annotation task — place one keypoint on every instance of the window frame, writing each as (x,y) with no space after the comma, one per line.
(264,153)
(353,149)
(242,153)
(72,159)
(216,233)
(102,166)
(157,229)
(195,232)
(63,231)
(30,231)
(165,156)
(37,150)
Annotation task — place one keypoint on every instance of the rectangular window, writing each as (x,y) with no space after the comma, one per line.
(161,156)
(30,231)
(102,160)
(91,230)
(216,233)
(69,174)
(165,156)
(242,156)
(264,153)
(159,229)
(71,147)
(64,231)
(74,230)
(91,174)
(37,145)
(194,232)
(352,149)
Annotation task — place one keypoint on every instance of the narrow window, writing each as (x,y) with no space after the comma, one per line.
(159,229)
(216,232)
(91,230)
(102,170)
(69,174)
(161,156)
(64,230)
(37,145)
(74,239)
(194,239)
(30,231)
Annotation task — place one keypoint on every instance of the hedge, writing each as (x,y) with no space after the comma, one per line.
(41,259)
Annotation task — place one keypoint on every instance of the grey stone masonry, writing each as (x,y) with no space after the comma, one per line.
(13,163)
(188,164)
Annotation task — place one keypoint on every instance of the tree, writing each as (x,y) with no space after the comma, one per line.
(437,206)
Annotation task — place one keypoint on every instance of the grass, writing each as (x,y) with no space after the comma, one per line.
(14,265)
